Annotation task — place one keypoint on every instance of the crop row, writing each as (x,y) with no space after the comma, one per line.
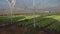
(51,22)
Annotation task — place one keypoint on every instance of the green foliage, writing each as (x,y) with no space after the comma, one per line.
(51,21)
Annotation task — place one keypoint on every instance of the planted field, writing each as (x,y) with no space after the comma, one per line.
(47,23)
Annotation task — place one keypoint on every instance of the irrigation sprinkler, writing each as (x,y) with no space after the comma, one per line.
(11,5)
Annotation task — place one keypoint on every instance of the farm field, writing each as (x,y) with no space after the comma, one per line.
(24,24)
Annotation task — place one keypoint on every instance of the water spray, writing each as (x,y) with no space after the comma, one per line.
(34,12)
(11,5)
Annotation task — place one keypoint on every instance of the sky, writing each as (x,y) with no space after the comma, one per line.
(39,4)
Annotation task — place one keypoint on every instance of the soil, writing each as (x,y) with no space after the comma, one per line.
(14,29)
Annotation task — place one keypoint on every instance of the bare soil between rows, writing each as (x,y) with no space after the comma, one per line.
(14,29)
